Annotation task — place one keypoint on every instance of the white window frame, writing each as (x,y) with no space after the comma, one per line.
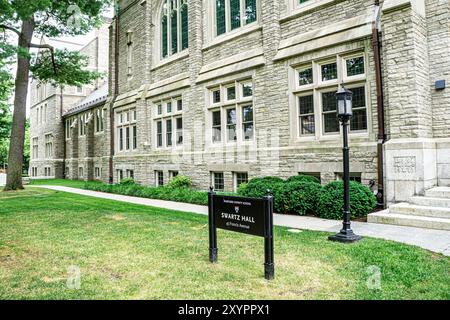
(238,104)
(48,139)
(164,117)
(126,120)
(158,23)
(319,86)
(235,178)
(243,23)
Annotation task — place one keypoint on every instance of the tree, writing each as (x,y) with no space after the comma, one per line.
(31,18)
(6,85)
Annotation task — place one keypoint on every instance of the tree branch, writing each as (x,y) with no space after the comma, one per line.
(48,47)
(2,26)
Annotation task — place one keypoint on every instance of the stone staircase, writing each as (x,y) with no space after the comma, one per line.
(431,211)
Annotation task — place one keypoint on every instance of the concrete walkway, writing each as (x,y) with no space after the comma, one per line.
(433,240)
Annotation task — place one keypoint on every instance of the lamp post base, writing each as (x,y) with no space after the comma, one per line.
(345,236)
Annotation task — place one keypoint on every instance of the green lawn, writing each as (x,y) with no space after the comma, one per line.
(128,251)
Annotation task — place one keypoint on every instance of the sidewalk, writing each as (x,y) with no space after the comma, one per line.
(433,240)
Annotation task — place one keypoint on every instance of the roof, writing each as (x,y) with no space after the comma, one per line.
(96,98)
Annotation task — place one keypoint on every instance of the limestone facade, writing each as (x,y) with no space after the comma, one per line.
(236,89)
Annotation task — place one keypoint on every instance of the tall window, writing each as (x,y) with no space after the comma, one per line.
(82,124)
(48,146)
(233,14)
(35,150)
(168,121)
(232,113)
(315,88)
(99,124)
(69,123)
(127,130)
(174,27)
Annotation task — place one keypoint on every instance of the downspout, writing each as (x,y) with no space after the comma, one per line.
(380,105)
(64,135)
(115,94)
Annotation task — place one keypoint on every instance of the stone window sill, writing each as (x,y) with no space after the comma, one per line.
(305,8)
(232,35)
(173,58)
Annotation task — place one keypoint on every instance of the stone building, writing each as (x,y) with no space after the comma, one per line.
(226,90)
(50,156)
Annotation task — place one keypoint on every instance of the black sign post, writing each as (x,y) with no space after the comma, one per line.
(244,215)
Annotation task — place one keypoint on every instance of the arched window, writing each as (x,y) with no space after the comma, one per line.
(233,14)
(174,27)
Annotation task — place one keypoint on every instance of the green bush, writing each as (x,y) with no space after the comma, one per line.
(297,197)
(127,182)
(161,193)
(303,178)
(180,182)
(257,188)
(331,202)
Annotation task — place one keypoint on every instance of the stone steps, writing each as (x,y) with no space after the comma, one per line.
(422,211)
(438,192)
(431,211)
(386,217)
(431,202)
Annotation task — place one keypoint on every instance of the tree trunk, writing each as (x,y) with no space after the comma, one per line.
(16,147)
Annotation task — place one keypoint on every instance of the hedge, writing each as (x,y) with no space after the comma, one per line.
(331,200)
(168,193)
(297,197)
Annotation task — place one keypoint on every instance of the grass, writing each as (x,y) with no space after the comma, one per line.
(127,251)
(61,182)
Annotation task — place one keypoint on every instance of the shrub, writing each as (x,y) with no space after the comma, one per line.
(161,193)
(303,178)
(297,197)
(180,182)
(127,182)
(331,202)
(257,188)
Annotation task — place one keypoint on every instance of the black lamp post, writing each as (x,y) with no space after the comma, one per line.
(345,112)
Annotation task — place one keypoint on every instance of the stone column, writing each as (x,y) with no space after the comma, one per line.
(73,153)
(410,153)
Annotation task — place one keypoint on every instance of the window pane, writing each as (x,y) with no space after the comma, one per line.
(247,119)
(307,121)
(241,178)
(359,119)
(159,133)
(359,97)
(247,89)
(164,31)
(220,17)
(134,137)
(127,141)
(329,71)
(216,96)
(235,14)
(216,127)
(169,107)
(231,124)
(231,93)
(355,66)
(169,132)
(306,104)
(174,26)
(250,11)
(306,77)
(179,131)
(329,102)
(219,183)
(329,106)
(184,25)
(180,105)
